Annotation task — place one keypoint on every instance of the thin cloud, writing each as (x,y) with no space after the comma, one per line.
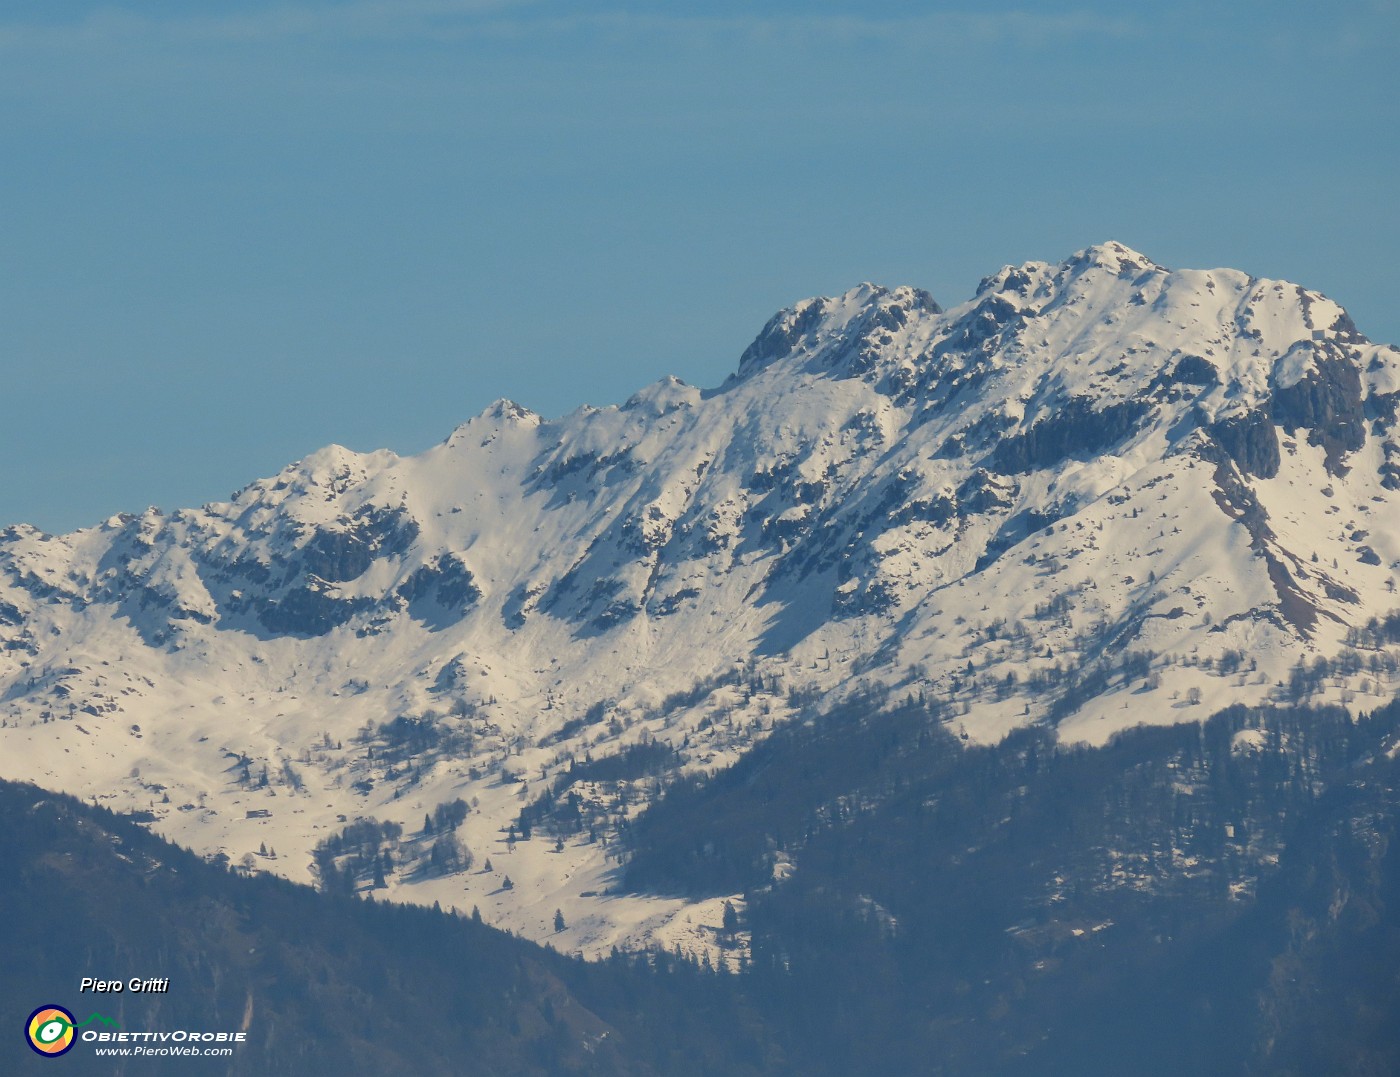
(367,19)
(440,20)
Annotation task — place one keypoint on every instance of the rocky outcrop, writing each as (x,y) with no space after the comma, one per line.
(1076,428)
(1325,401)
(1251,441)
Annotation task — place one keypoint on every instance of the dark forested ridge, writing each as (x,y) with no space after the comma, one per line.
(1210,898)
(1213,898)
(323,983)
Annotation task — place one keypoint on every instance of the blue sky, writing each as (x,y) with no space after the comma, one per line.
(233,232)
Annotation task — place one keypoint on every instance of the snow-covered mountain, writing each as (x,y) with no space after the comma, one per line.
(1098,493)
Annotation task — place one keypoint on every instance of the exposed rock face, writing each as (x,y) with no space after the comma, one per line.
(1251,442)
(1074,428)
(1194,370)
(441,591)
(346,553)
(1327,402)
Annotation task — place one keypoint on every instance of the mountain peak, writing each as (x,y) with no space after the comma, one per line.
(854,325)
(501,413)
(832,328)
(1111,255)
(506,410)
(1082,497)
(661,397)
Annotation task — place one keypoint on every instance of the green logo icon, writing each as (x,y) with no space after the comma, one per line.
(52,1030)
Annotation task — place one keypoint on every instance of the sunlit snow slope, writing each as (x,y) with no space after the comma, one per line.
(1096,494)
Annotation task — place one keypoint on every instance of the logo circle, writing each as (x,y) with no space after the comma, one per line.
(50,1031)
